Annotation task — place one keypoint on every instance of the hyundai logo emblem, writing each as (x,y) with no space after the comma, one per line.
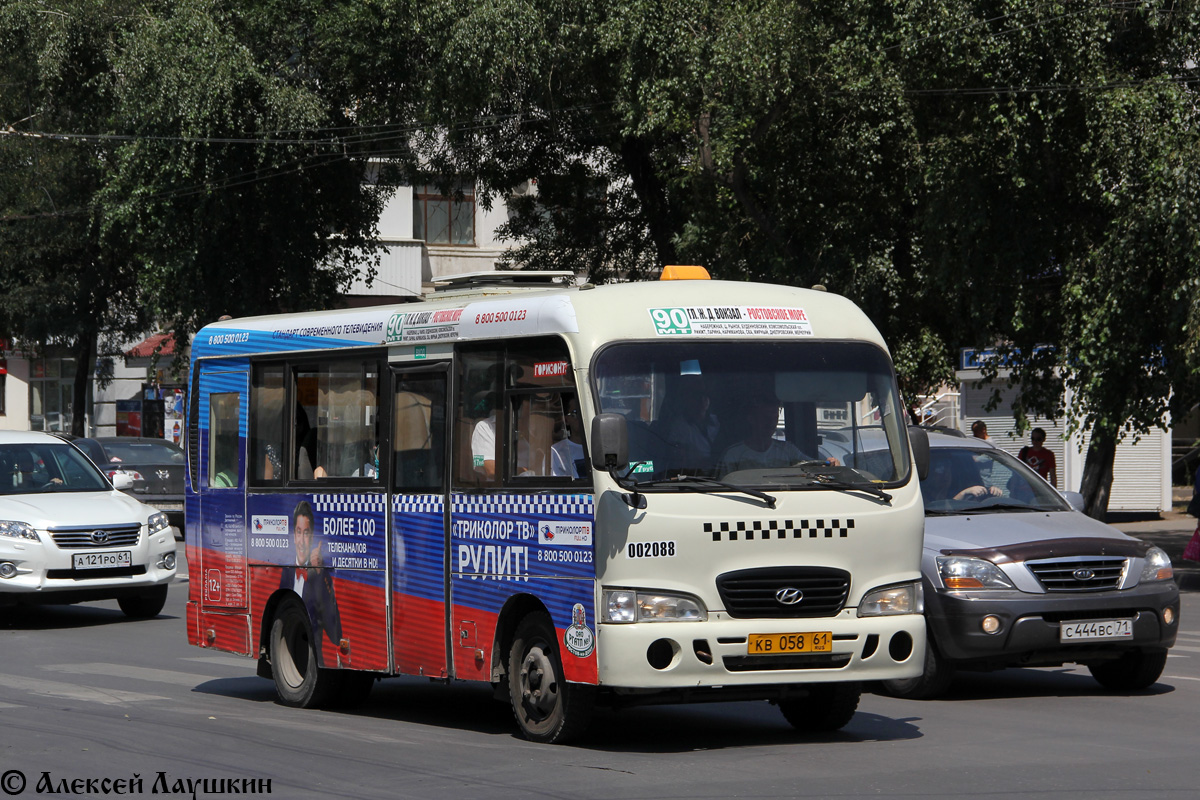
(1083,574)
(100,537)
(788,596)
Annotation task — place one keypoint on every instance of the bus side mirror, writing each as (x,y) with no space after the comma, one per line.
(610,442)
(920,447)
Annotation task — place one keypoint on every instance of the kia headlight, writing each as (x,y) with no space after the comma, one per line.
(905,598)
(18,530)
(962,572)
(158,521)
(1157,566)
(627,605)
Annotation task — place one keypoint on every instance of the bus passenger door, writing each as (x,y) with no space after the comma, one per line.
(222,489)
(418,569)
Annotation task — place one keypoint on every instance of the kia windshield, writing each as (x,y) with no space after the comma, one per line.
(968,481)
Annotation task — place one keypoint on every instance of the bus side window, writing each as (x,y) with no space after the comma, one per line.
(477,419)
(223,411)
(541,389)
(418,438)
(266,424)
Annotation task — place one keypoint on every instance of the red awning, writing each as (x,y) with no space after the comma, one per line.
(145,348)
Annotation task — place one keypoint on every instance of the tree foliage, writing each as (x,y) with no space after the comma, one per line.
(1008,173)
(1003,173)
(182,168)
(64,282)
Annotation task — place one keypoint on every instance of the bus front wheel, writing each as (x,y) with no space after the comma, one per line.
(299,682)
(828,707)
(548,709)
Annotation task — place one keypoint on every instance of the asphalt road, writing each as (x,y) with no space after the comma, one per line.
(86,694)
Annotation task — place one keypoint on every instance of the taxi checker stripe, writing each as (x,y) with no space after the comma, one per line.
(778,529)
(417,504)
(354,503)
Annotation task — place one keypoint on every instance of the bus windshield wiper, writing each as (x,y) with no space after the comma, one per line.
(697,483)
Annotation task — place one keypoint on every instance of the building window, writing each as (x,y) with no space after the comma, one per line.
(51,388)
(444,219)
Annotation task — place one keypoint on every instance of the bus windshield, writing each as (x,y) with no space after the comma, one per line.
(781,415)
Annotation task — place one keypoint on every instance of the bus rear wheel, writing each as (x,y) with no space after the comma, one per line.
(299,682)
(828,707)
(547,708)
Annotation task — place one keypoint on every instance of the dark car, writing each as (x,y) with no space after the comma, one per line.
(155,465)
(1015,576)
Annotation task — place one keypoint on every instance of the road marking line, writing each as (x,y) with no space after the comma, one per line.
(73,691)
(1185,648)
(135,673)
(1178,678)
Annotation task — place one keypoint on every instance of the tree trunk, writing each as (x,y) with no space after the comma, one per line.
(85,356)
(636,157)
(1098,472)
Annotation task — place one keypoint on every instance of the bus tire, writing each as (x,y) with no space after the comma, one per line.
(547,708)
(828,707)
(144,606)
(299,682)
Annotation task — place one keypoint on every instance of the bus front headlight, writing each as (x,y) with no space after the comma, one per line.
(905,598)
(627,605)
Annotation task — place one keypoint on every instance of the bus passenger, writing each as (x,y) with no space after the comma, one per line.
(567,455)
(688,426)
(483,440)
(760,449)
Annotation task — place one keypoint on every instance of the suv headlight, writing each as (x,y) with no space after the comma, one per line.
(906,598)
(157,522)
(627,605)
(18,530)
(962,572)
(1157,566)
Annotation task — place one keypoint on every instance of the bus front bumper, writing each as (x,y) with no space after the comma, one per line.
(717,652)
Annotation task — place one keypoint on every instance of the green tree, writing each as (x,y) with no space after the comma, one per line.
(65,283)
(168,162)
(236,182)
(970,173)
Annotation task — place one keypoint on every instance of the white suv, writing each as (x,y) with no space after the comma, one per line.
(68,536)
